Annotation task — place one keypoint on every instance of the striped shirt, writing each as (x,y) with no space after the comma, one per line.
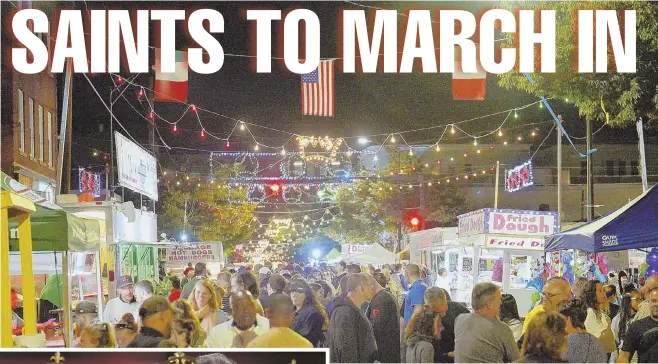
(226,305)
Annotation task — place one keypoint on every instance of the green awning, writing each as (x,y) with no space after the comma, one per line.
(58,230)
(333,254)
(53,229)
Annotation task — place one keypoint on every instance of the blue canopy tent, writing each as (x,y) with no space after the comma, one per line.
(633,226)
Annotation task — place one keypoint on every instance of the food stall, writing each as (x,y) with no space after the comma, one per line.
(604,243)
(437,248)
(508,246)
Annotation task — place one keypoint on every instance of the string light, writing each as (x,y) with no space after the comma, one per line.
(175,128)
(533,133)
(392,139)
(203,133)
(256,147)
(500,132)
(452,159)
(515,114)
(505,142)
(475,142)
(429,184)
(438,149)
(478,151)
(241,126)
(95,154)
(452,129)
(519,138)
(193,108)
(283,151)
(411,152)
(228,144)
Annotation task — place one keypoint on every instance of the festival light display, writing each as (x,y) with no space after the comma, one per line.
(519,177)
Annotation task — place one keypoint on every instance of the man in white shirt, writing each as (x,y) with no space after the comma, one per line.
(125,303)
(245,326)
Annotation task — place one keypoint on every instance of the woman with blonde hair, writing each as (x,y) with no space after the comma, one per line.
(98,336)
(205,304)
(423,329)
(545,340)
(186,330)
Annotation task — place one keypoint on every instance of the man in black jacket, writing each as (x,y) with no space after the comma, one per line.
(351,339)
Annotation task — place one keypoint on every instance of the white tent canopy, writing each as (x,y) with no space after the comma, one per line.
(375,254)
(42,263)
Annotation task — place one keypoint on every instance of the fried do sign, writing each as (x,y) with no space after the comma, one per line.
(198,253)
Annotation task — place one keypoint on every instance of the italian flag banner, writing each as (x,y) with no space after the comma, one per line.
(468,86)
(171,86)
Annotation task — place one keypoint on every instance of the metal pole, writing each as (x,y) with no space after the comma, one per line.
(422,202)
(112,137)
(643,161)
(497,184)
(63,126)
(559,170)
(590,177)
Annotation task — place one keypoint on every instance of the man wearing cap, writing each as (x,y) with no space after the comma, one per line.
(156,316)
(85,314)
(124,303)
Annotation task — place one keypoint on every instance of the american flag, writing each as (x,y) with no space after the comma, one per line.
(318,90)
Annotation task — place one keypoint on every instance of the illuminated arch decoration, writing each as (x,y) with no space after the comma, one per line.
(319,149)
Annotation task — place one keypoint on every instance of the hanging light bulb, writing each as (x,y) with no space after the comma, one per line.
(478,151)
(505,143)
(151,116)
(241,126)
(533,133)
(519,138)
(500,132)
(256,147)
(452,129)
(175,128)
(541,105)
(475,142)
(228,144)
(429,184)
(392,139)
(515,114)
(283,151)
(193,108)
(438,149)
(411,152)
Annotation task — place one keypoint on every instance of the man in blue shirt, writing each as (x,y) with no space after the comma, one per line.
(416,293)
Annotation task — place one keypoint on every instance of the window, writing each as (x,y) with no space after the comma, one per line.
(610,168)
(622,168)
(50,140)
(21,122)
(40,133)
(30,112)
(635,168)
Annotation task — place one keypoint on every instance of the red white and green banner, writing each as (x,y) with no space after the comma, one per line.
(171,86)
(471,85)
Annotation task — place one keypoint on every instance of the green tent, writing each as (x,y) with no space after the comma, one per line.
(333,254)
(58,230)
(53,229)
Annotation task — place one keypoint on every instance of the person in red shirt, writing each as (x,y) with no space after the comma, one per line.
(176,291)
(14,299)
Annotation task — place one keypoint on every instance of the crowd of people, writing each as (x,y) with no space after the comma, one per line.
(367,315)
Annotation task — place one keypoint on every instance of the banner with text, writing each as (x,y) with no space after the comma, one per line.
(137,168)
(195,253)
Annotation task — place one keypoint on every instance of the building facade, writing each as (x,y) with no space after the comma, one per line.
(29,120)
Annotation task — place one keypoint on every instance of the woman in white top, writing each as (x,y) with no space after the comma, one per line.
(509,314)
(598,322)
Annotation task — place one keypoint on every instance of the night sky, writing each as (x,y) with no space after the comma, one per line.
(365,103)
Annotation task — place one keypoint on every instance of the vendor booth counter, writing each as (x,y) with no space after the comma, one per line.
(513,240)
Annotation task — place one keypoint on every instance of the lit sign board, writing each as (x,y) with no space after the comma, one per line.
(89,182)
(519,177)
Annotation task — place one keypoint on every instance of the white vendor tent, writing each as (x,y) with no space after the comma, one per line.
(375,254)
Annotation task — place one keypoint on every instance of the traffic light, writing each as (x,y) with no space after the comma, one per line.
(414,222)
